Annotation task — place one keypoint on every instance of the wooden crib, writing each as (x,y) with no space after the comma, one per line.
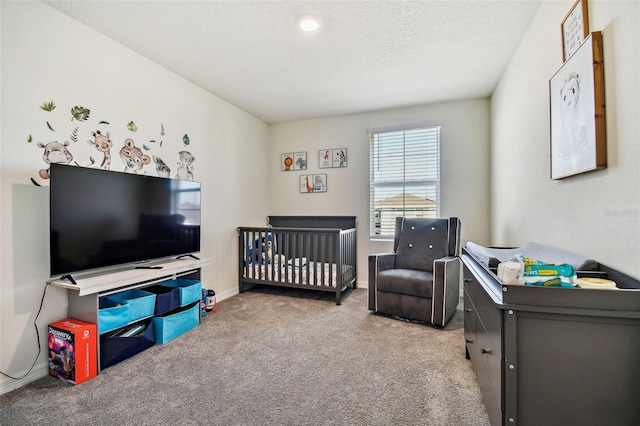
(309,252)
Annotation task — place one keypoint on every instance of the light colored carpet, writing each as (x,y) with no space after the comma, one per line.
(267,358)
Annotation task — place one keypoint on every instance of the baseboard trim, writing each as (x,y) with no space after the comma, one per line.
(38,372)
(226,294)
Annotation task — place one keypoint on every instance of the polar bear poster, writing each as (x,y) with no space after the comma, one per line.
(576,104)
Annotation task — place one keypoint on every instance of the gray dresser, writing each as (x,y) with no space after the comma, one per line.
(553,356)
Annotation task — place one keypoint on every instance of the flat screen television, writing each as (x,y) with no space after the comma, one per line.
(101,218)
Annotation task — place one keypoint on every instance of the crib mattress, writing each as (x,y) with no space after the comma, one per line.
(313,274)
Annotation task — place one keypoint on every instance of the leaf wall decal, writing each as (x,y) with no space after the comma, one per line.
(80,113)
(48,106)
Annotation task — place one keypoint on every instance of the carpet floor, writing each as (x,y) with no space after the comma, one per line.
(274,356)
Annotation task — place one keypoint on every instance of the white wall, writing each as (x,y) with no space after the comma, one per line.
(48,56)
(464,172)
(598,213)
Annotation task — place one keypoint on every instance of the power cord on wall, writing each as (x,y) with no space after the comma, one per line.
(37,339)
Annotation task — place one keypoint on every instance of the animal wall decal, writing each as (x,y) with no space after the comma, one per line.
(102,144)
(54,152)
(162,169)
(185,166)
(135,157)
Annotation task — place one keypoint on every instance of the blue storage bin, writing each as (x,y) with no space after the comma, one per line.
(190,290)
(141,303)
(116,349)
(167,298)
(176,323)
(112,314)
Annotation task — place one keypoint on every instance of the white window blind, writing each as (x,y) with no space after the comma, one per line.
(404,177)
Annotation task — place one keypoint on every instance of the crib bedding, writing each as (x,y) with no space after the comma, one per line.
(313,273)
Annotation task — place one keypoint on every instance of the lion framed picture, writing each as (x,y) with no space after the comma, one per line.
(291,161)
(576,96)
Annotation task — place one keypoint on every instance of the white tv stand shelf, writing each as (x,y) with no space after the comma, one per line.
(90,288)
(129,277)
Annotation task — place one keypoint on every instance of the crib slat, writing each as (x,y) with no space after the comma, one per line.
(304,247)
(320,269)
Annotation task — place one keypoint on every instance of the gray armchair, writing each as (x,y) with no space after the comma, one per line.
(420,280)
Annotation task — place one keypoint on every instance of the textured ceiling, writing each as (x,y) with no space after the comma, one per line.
(368,55)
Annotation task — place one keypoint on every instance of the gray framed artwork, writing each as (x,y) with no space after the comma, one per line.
(332,158)
(293,161)
(313,183)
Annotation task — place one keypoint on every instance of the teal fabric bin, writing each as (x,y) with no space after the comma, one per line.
(112,314)
(190,290)
(141,303)
(176,323)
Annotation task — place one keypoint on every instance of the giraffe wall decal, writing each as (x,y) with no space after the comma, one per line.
(102,144)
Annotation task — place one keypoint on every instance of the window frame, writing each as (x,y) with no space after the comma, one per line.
(424,183)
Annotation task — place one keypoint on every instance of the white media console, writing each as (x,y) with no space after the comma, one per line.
(87,297)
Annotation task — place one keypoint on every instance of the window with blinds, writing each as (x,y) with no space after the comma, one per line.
(404,177)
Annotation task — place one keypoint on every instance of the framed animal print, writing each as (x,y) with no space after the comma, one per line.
(576,94)
(313,183)
(329,158)
(293,161)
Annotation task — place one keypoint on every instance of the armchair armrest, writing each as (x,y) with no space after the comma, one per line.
(447,274)
(378,262)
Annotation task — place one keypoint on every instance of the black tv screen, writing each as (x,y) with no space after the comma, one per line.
(101,218)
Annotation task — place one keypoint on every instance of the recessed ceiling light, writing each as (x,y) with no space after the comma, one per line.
(309,23)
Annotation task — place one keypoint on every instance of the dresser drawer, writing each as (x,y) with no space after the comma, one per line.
(483,334)
(470,323)
(489,371)
(490,317)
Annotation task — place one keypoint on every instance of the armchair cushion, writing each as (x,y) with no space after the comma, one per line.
(420,242)
(411,282)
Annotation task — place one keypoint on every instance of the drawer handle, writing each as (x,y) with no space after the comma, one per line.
(467,280)
(469,340)
(485,351)
(468,310)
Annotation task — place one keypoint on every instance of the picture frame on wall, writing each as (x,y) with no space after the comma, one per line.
(574,28)
(291,161)
(332,158)
(577,106)
(313,183)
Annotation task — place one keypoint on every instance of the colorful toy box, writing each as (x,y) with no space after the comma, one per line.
(73,350)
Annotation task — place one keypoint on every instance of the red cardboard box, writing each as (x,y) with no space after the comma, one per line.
(73,350)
